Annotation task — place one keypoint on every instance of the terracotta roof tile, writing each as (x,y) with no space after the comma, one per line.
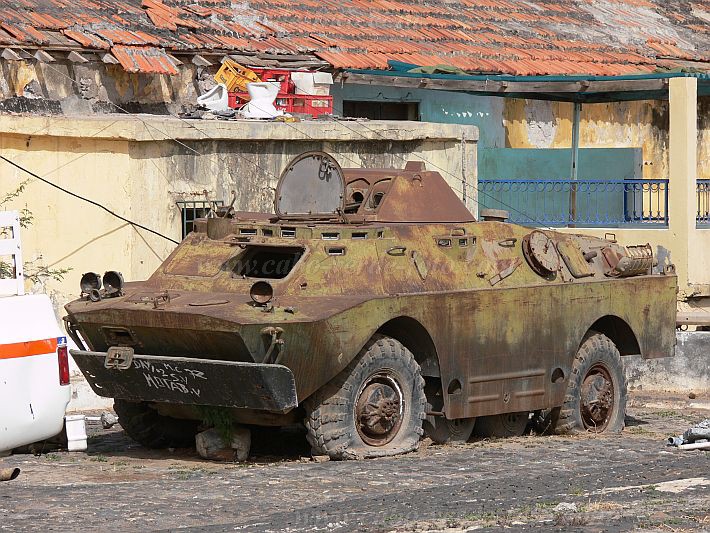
(143,59)
(507,36)
(87,40)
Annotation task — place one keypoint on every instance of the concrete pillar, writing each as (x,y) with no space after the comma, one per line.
(682,164)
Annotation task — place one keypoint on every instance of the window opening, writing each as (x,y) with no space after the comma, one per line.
(192,210)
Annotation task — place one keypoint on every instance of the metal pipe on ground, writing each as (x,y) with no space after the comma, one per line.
(8,474)
(695,446)
(693,318)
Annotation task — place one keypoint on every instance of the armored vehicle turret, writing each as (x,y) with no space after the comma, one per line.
(372,306)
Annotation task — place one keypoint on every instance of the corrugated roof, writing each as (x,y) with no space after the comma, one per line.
(519,37)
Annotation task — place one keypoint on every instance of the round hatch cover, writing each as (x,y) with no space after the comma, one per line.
(312,185)
(541,253)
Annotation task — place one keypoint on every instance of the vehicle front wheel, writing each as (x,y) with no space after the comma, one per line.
(374,407)
(596,390)
(153,430)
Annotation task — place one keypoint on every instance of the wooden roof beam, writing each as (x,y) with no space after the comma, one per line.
(503,86)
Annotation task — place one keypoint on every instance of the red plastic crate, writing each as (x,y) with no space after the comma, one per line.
(280,75)
(315,105)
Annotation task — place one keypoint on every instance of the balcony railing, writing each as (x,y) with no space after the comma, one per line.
(702,218)
(580,203)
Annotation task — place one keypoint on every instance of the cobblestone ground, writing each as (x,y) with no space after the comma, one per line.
(588,483)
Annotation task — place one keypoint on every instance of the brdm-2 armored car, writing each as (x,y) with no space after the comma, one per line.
(374,307)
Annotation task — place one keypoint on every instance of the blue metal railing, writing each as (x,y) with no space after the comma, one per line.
(702,217)
(580,203)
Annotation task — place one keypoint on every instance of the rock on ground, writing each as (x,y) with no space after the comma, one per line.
(211,445)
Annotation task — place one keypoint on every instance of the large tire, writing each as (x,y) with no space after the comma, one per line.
(153,430)
(373,408)
(504,425)
(596,391)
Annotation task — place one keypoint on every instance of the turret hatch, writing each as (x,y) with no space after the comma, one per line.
(311,186)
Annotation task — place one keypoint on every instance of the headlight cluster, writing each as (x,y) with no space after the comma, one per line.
(91,282)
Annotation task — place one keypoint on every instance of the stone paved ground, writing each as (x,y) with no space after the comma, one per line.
(616,483)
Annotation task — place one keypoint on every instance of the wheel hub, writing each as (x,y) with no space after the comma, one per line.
(597,401)
(378,412)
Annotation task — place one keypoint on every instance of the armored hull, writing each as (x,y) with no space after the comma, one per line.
(265,314)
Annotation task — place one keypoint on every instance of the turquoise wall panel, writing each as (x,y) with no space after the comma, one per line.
(554,163)
(446,107)
(550,202)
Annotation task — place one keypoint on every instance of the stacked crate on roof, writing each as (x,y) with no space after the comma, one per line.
(302,92)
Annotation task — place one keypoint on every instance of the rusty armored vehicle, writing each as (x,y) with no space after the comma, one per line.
(372,306)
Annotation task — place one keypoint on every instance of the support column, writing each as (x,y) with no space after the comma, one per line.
(682,173)
(576,113)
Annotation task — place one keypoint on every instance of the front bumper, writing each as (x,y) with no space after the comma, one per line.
(183,380)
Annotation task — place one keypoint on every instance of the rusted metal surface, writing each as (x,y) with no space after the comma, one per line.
(378,411)
(492,311)
(191,381)
(597,399)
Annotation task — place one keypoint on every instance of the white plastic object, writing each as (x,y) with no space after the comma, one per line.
(216,99)
(261,100)
(312,83)
(76,433)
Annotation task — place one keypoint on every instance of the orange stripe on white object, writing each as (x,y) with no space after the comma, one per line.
(25,349)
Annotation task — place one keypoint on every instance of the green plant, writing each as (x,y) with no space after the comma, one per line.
(33,270)
(220,419)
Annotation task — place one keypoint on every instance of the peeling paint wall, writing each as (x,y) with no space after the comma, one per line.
(135,169)
(704,137)
(644,124)
(93,87)
(542,124)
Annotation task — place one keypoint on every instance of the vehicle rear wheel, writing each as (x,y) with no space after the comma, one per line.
(444,431)
(153,430)
(504,425)
(596,390)
(373,408)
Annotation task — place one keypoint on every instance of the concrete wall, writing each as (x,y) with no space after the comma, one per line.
(687,371)
(139,168)
(518,123)
(70,88)
(444,107)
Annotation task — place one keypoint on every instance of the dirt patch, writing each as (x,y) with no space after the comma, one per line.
(583,482)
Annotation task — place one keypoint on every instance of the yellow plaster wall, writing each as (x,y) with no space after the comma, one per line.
(704,137)
(641,124)
(67,232)
(140,168)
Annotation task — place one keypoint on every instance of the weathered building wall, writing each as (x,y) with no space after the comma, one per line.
(139,168)
(64,87)
(687,371)
(644,124)
(445,107)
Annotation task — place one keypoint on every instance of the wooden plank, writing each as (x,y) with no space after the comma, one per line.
(500,86)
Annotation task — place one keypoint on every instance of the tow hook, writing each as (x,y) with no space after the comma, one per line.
(119,357)
(274,332)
